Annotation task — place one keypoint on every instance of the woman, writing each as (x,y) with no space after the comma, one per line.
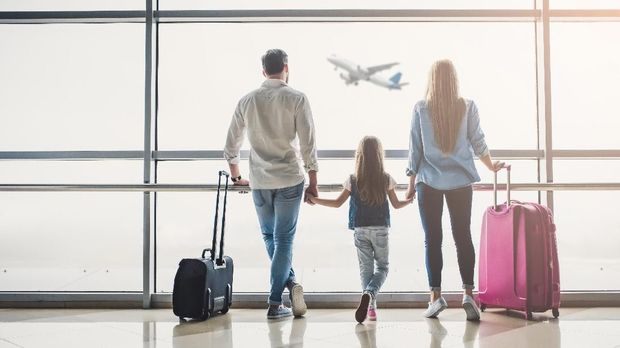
(444,131)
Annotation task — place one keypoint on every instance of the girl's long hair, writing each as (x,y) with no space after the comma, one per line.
(446,106)
(371,178)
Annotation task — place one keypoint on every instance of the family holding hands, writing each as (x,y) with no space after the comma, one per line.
(445,134)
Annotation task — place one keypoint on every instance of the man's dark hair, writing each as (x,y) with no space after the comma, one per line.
(274,61)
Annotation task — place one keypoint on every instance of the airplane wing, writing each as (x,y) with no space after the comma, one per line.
(375,69)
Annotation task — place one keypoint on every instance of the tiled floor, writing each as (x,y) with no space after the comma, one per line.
(576,327)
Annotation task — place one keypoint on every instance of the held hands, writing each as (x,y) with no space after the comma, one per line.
(410,194)
(312,199)
(310,193)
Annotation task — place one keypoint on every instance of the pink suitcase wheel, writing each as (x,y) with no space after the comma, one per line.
(555,312)
(483,307)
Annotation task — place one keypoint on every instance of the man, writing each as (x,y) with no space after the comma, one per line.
(276,116)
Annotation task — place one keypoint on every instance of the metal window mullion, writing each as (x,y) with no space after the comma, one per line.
(156,146)
(543,88)
(148,109)
(547,100)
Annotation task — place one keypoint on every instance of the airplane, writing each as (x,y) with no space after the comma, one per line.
(355,73)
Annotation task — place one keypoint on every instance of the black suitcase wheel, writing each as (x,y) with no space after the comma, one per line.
(209,306)
(529,315)
(227,299)
(555,312)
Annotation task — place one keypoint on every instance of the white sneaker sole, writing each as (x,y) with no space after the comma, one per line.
(297,301)
(435,313)
(280,316)
(470,310)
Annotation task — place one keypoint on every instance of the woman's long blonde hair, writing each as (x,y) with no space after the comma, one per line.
(371,178)
(445,105)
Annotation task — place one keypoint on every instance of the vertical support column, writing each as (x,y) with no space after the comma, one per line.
(147,265)
(543,82)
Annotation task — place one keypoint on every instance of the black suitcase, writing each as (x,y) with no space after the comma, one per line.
(203,287)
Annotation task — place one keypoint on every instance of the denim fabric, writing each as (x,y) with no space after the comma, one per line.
(277,211)
(430,203)
(445,171)
(362,214)
(373,256)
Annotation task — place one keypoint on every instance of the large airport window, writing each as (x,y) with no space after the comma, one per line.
(585,72)
(71,5)
(343,4)
(70,241)
(71,87)
(204,71)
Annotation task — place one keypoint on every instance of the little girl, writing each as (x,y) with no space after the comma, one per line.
(369,217)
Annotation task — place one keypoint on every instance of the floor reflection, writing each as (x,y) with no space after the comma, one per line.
(215,332)
(367,334)
(278,330)
(577,327)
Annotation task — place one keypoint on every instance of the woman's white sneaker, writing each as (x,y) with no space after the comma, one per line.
(435,307)
(471,308)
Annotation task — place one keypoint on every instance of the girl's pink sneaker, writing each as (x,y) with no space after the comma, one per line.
(372,313)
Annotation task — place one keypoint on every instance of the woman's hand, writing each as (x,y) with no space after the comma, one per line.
(497,165)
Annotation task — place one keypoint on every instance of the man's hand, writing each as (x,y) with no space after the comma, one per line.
(311,191)
(242,182)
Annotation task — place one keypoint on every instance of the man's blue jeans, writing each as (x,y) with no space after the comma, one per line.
(277,211)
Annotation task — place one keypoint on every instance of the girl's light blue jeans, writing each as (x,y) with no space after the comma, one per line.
(373,254)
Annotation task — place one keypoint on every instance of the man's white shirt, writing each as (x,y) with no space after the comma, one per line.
(279,126)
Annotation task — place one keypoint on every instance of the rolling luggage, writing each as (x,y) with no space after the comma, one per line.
(518,266)
(203,287)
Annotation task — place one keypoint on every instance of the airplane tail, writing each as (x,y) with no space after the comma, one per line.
(396,78)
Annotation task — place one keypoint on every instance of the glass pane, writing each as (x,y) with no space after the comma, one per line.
(79,241)
(70,5)
(71,172)
(597,171)
(71,87)
(204,72)
(585,72)
(323,245)
(579,4)
(343,4)
(588,234)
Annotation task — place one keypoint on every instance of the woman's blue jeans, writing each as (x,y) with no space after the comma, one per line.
(430,203)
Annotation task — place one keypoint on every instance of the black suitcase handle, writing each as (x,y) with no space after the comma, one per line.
(212,250)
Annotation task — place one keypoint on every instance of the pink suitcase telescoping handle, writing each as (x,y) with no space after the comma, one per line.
(508,168)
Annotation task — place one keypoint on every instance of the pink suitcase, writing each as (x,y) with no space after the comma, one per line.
(518,267)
